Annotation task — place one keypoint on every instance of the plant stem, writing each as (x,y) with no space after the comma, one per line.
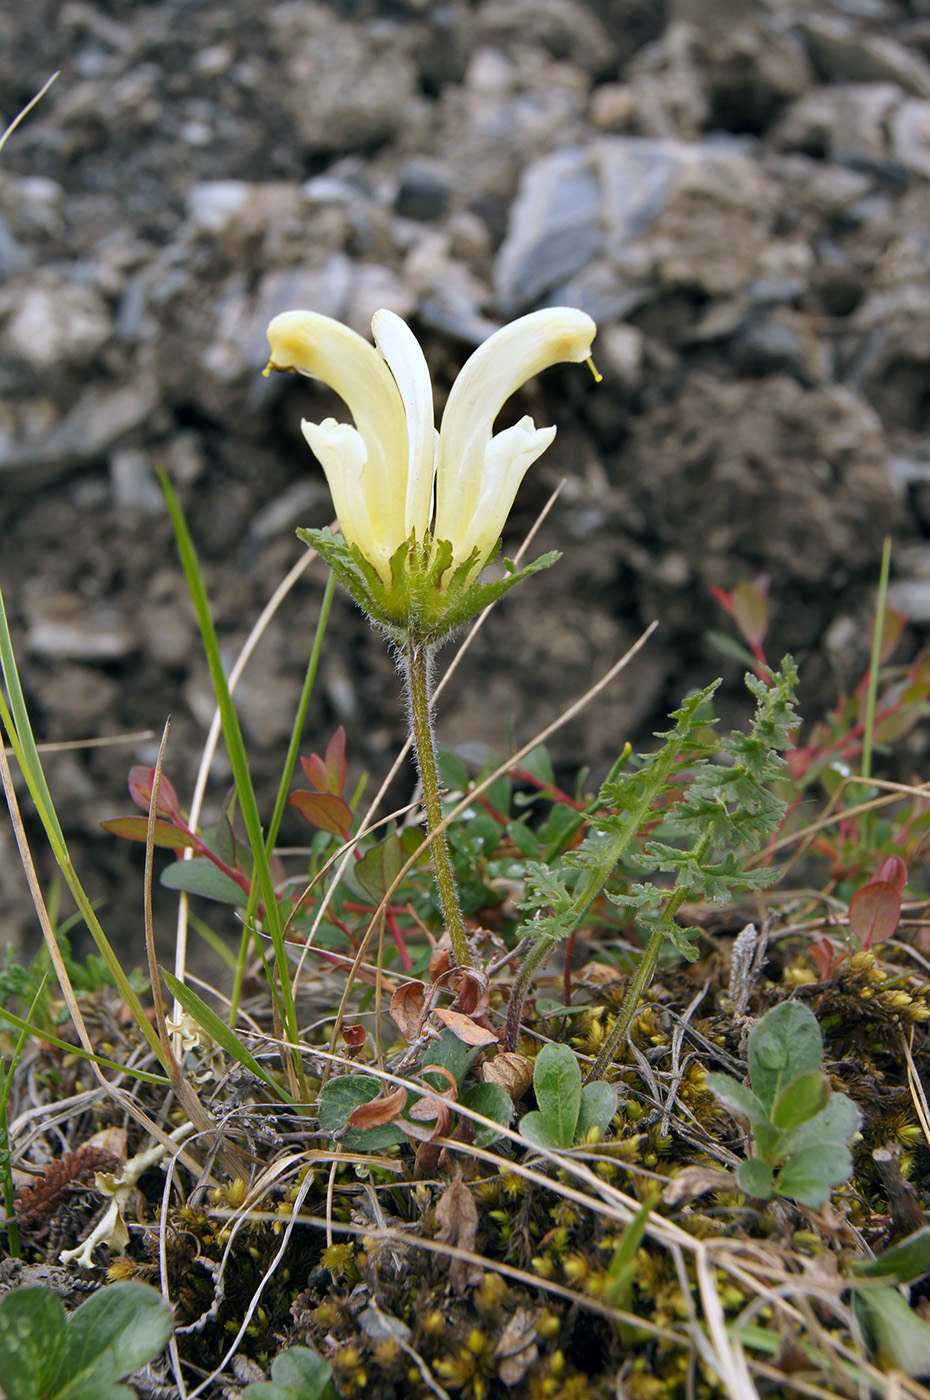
(593,882)
(871,697)
(417,660)
(536,955)
(643,977)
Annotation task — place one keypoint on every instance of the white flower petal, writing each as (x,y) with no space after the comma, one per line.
(343,456)
(508,457)
(405,360)
(324,349)
(466,479)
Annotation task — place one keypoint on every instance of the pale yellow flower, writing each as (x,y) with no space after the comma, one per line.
(391,475)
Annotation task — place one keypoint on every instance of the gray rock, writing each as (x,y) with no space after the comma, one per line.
(372,287)
(692,213)
(847,122)
(750,59)
(782,341)
(102,415)
(347,86)
(669,86)
(910,136)
(13,258)
(302,503)
(239,345)
(214,204)
(424,191)
(911,595)
(846,55)
(555,228)
(567,28)
(57,321)
(62,626)
(132,478)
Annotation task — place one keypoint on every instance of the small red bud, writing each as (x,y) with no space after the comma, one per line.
(893,871)
(141,780)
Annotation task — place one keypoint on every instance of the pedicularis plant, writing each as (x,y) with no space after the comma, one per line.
(421,512)
(420,515)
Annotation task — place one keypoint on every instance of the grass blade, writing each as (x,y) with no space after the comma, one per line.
(263,885)
(15,720)
(218,1030)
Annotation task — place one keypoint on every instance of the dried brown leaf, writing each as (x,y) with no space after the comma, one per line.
(516,1351)
(511,1071)
(458,1225)
(407,1009)
(696,1181)
(471,990)
(376,1112)
(440,959)
(354,1037)
(464,1027)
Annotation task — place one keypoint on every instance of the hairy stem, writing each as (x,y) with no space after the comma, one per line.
(644,975)
(417,661)
(537,954)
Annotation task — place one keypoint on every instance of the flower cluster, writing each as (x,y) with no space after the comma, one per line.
(420,511)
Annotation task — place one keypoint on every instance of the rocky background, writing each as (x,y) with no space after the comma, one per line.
(738,192)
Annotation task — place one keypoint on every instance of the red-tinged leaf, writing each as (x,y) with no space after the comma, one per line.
(315,769)
(874,912)
(891,870)
(723,597)
(141,779)
(407,1006)
(825,958)
(377,1112)
(336,761)
(898,722)
(472,989)
(465,1028)
(751,610)
(440,959)
(135,829)
(354,1037)
(379,867)
(324,811)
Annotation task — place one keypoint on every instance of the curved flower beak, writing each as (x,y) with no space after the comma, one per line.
(478,473)
(380,472)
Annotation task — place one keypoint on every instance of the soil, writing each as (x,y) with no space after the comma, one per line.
(196,167)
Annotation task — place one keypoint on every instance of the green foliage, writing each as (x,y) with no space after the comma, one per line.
(340,1097)
(46,1356)
(709,813)
(338,1100)
(298,1374)
(801,1126)
(894,1330)
(567,1111)
(887,1319)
